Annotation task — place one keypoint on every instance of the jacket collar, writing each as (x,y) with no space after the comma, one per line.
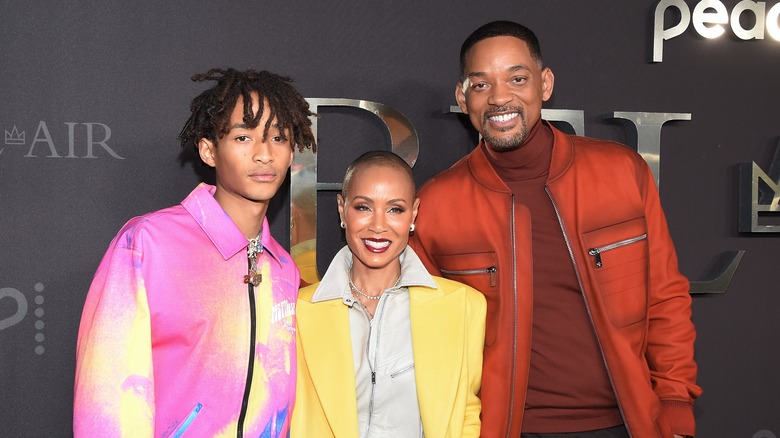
(562,153)
(483,172)
(335,282)
(220,228)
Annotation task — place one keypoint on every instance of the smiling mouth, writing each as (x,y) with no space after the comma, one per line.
(502,118)
(376,245)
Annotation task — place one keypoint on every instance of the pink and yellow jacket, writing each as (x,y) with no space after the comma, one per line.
(172,339)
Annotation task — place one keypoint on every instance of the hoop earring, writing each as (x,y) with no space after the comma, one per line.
(343,225)
(411,229)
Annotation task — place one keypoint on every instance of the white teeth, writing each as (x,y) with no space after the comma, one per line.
(377,245)
(503,117)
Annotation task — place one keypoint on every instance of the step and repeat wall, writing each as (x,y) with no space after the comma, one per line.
(93,95)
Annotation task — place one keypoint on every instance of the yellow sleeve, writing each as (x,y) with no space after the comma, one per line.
(475,342)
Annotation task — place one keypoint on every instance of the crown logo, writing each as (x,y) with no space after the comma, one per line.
(14,137)
(759,197)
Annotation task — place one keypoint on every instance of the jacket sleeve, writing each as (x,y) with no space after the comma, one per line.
(420,247)
(670,334)
(475,314)
(114,387)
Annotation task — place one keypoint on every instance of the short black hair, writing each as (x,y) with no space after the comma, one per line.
(501,28)
(211,110)
(380,158)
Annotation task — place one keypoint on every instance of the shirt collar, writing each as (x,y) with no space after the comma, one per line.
(335,282)
(218,225)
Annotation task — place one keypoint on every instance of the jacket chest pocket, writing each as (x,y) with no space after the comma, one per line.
(480,271)
(618,257)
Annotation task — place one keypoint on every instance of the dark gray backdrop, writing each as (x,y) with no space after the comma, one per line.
(124,67)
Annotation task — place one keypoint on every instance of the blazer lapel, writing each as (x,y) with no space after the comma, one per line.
(327,347)
(437,338)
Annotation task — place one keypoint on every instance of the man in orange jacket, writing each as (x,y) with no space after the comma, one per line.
(588,330)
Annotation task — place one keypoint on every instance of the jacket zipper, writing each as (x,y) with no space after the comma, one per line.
(378,320)
(596,252)
(401,371)
(489,270)
(250,368)
(187,421)
(514,332)
(587,308)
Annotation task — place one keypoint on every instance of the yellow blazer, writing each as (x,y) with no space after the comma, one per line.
(448,333)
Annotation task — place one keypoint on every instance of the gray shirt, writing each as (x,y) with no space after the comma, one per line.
(381,348)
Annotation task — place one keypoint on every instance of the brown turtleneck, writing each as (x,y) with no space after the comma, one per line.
(568,386)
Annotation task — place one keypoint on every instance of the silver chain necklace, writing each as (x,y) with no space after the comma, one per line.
(370,297)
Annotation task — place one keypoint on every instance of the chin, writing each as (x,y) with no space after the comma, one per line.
(375,263)
(506,143)
(262,196)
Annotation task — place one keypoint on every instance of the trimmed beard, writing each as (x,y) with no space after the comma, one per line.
(505,144)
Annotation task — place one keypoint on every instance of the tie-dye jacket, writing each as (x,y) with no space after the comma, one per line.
(170,332)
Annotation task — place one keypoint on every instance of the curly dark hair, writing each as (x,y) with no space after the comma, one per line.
(211,110)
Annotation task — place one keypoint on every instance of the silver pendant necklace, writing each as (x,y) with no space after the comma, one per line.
(253,251)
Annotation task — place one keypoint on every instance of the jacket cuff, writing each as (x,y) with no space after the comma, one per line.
(677,417)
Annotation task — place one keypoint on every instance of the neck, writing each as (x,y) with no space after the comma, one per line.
(247,215)
(375,281)
(530,160)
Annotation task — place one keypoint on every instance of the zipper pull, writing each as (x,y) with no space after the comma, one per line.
(595,252)
(253,250)
(492,271)
(373,377)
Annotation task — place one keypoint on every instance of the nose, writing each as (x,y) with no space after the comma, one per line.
(500,95)
(378,222)
(262,152)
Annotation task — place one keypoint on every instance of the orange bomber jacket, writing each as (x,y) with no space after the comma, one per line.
(470,229)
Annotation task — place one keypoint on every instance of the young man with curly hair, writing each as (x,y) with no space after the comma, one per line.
(190,320)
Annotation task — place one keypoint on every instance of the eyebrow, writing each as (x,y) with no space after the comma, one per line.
(366,198)
(512,69)
(245,126)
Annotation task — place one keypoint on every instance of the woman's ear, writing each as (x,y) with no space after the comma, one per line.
(340,202)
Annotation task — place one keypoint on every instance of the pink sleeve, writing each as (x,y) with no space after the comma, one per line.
(114,386)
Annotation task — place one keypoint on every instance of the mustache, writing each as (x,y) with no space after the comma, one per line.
(503,109)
